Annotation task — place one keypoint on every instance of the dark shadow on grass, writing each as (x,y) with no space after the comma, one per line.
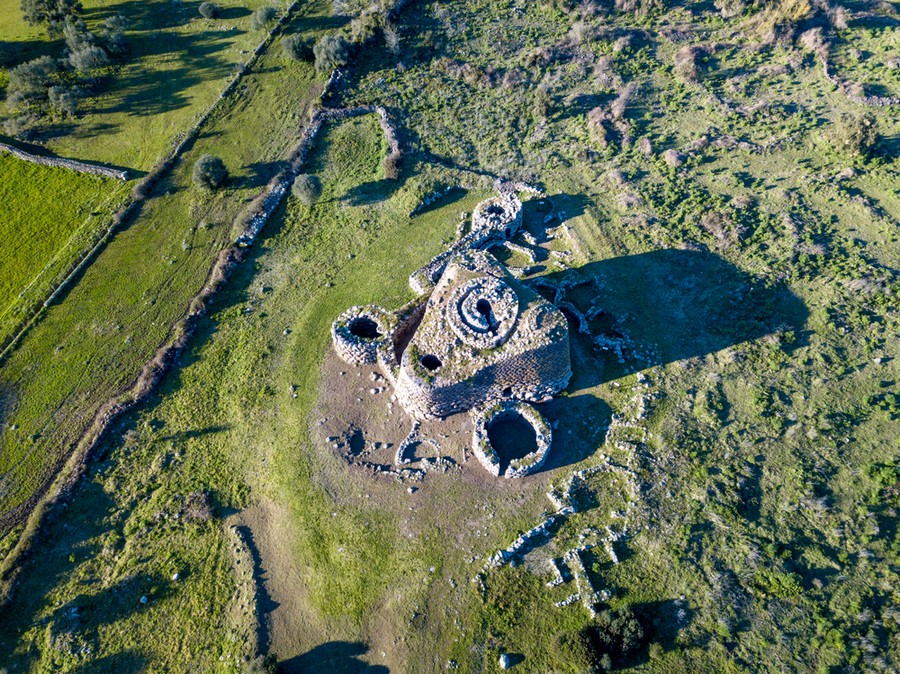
(126,662)
(678,304)
(195,433)
(372,192)
(450,197)
(230,13)
(265,605)
(256,175)
(334,657)
(41,151)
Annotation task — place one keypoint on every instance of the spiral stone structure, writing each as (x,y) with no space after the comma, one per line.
(483,337)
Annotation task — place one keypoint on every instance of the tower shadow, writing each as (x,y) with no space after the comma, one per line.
(669,305)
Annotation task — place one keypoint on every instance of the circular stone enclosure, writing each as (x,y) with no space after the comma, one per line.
(511,439)
(360,332)
(483,312)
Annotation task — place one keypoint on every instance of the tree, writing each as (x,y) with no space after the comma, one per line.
(51,13)
(331,51)
(307,188)
(297,48)
(542,102)
(113,34)
(87,59)
(262,17)
(29,83)
(208,10)
(209,172)
(63,100)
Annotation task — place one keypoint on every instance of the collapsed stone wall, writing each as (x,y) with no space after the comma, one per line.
(494,220)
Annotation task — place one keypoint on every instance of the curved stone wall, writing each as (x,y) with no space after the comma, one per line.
(361,334)
(486,454)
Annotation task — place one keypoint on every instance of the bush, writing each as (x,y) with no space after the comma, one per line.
(391,166)
(29,83)
(856,136)
(51,13)
(63,100)
(208,10)
(307,188)
(209,172)
(577,650)
(112,34)
(262,17)
(297,48)
(88,58)
(331,51)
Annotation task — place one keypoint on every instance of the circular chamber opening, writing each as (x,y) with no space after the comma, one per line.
(483,307)
(512,437)
(364,327)
(431,362)
(494,209)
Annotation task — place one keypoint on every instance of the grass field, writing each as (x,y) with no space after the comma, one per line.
(755,278)
(177,65)
(49,217)
(172,243)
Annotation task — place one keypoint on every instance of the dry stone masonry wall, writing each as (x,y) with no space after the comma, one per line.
(478,339)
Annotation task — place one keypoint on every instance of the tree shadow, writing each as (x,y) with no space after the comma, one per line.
(256,175)
(230,13)
(335,657)
(661,622)
(372,192)
(126,662)
(195,433)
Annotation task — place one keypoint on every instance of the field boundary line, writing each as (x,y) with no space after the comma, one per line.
(143,189)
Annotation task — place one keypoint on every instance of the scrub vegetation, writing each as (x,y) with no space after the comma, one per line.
(724,178)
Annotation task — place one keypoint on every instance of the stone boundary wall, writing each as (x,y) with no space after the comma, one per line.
(145,186)
(62,162)
(41,506)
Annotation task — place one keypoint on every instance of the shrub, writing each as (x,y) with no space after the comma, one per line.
(575,649)
(209,172)
(63,100)
(208,10)
(307,188)
(856,136)
(51,13)
(297,48)
(112,34)
(88,58)
(262,17)
(542,102)
(29,83)
(618,634)
(331,51)
(391,166)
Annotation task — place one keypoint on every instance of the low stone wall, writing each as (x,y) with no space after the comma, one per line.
(495,220)
(62,162)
